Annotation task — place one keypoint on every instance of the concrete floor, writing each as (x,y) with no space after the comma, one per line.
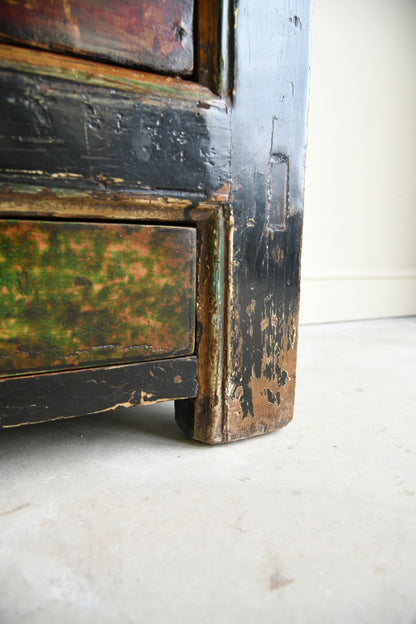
(119,518)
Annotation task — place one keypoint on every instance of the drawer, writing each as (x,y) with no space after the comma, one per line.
(75,295)
(156,34)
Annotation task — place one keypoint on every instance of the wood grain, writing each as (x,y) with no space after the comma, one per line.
(214,45)
(155,34)
(81,294)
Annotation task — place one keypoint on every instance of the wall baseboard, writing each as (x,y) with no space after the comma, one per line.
(330,297)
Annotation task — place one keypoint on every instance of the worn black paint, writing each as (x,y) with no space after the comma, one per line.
(65,134)
(63,395)
(264,223)
(252,281)
(264,94)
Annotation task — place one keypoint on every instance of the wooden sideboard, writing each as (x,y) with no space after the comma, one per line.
(151,194)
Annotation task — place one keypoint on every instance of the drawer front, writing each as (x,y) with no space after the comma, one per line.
(156,34)
(80,125)
(75,295)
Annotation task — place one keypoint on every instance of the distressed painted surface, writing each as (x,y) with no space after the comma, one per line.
(212,54)
(78,70)
(265,221)
(82,294)
(153,33)
(49,203)
(38,398)
(262,230)
(85,126)
(104,132)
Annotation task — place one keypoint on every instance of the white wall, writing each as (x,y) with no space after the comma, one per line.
(359,246)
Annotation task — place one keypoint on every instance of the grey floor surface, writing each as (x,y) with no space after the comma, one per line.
(119,518)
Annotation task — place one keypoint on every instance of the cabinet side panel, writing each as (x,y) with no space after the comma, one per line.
(252,378)
(265,221)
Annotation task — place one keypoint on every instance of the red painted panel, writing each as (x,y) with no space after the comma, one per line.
(156,34)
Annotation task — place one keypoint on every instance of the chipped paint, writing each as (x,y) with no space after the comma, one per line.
(248,273)
(148,86)
(112,130)
(37,398)
(262,225)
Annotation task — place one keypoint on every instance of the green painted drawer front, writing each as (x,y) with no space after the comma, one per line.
(75,295)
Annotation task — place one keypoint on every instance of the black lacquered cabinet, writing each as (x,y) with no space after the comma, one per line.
(151,170)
